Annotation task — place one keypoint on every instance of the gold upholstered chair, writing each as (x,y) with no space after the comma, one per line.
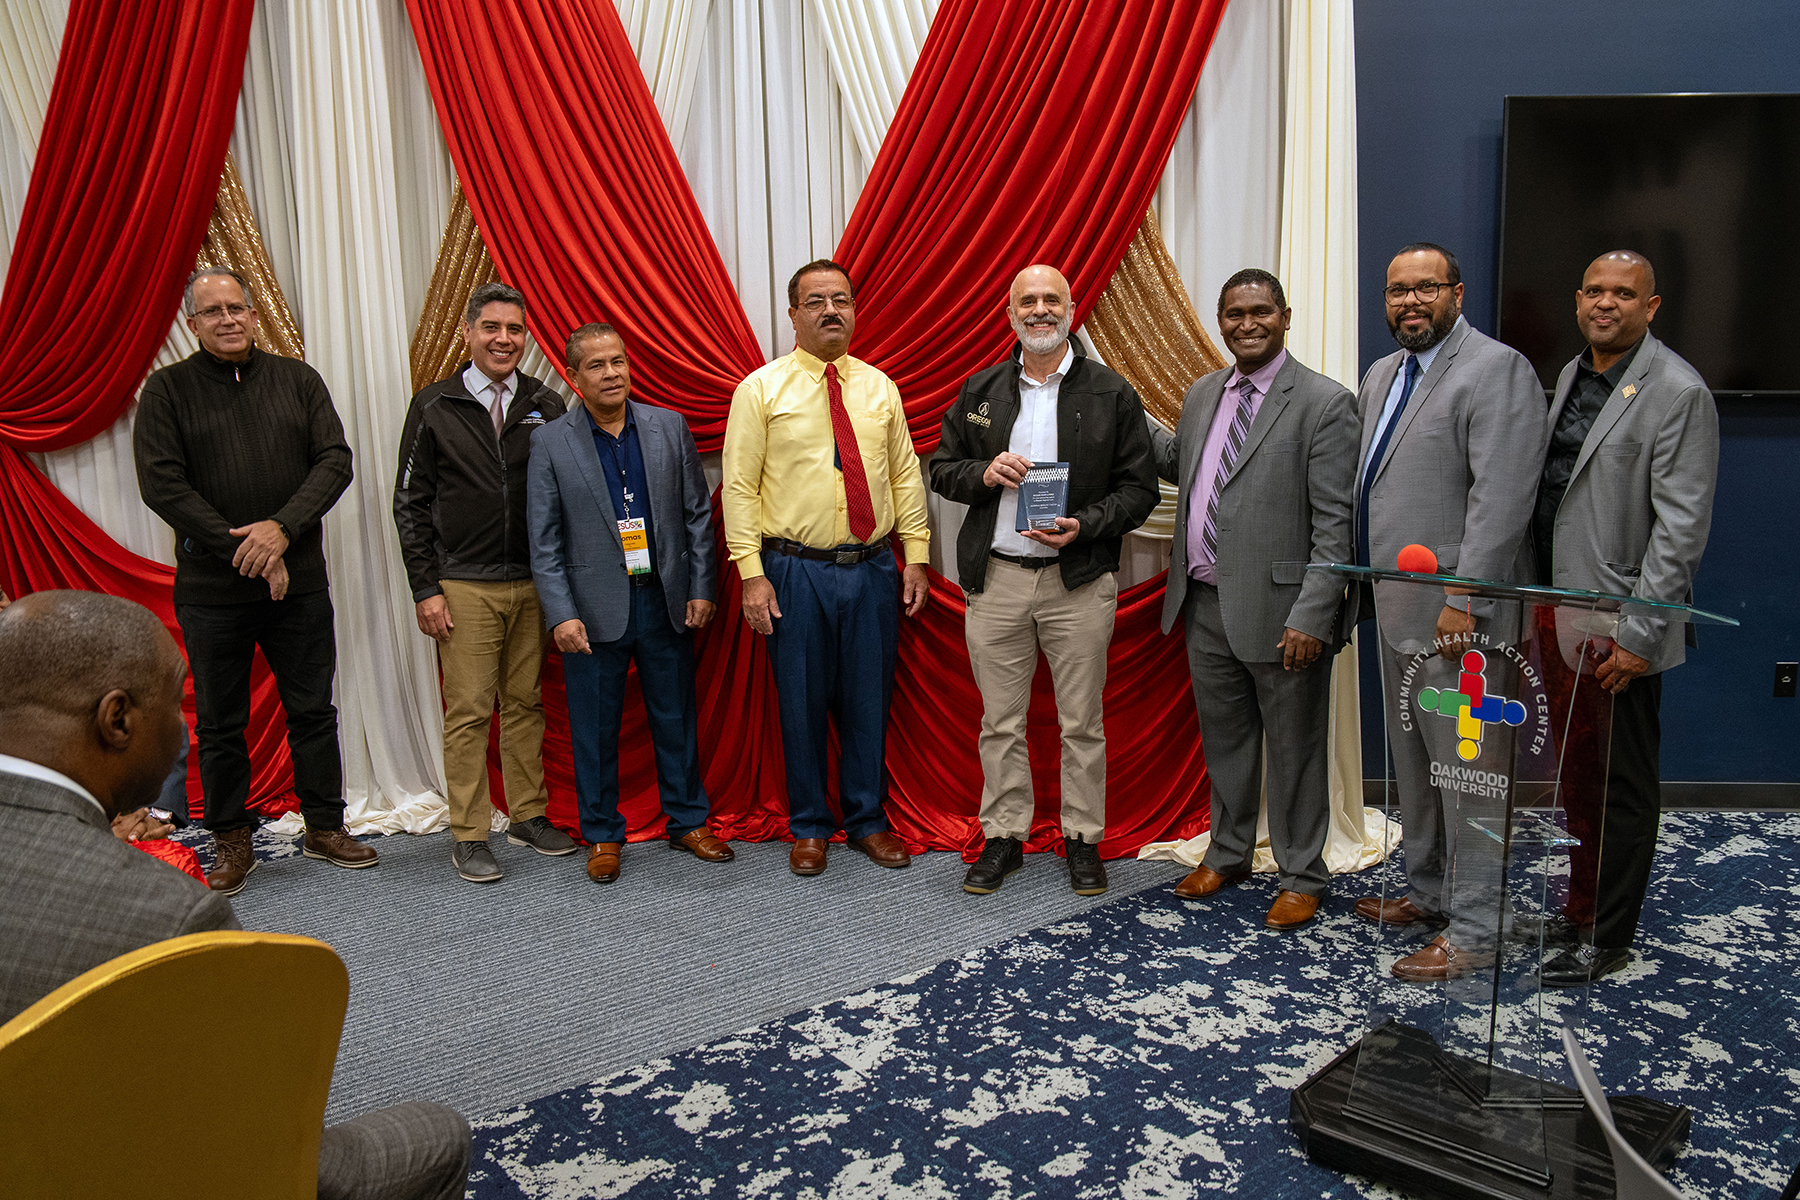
(84,1070)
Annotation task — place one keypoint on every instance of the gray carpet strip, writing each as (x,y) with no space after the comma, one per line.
(485,996)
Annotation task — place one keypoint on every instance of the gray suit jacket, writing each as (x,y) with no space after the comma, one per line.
(1639,506)
(577,559)
(1460,473)
(1288,501)
(73,896)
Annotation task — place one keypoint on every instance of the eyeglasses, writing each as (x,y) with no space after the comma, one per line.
(1427,291)
(815,304)
(219,312)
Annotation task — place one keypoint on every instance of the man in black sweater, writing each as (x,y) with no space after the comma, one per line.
(242,453)
(459,505)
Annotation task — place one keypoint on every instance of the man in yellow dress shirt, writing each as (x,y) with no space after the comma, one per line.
(807,526)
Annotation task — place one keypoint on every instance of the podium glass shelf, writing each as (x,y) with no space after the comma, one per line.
(1497,739)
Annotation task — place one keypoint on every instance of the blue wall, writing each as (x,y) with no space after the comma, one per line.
(1430,80)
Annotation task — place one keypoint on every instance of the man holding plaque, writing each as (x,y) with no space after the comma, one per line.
(1265,460)
(1051,452)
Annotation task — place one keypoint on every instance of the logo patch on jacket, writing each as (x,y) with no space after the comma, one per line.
(534,417)
(980,415)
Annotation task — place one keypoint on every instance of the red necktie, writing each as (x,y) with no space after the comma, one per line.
(857,504)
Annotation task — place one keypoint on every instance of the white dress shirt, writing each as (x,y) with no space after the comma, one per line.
(482,388)
(1033,437)
(31,770)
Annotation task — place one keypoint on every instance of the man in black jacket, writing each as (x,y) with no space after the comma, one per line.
(242,453)
(1039,589)
(459,503)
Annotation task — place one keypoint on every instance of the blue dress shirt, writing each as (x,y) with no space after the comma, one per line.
(622,463)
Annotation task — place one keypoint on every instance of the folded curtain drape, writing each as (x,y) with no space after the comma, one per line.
(974,179)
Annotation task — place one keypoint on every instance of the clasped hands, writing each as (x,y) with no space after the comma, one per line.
(260,554)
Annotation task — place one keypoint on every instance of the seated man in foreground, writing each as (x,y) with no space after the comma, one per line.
(90,722)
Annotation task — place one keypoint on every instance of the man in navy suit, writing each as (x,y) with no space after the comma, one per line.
(622,554)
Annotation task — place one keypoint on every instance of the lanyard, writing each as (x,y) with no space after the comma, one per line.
(613,447)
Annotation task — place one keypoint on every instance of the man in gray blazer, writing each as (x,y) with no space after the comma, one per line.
(1452,438)
(1624,506)
(622,553)
(90,721)
(1264,459)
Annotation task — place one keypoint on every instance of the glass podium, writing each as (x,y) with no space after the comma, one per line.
(1497,740)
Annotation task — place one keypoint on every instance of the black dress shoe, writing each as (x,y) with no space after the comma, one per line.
(1581,964)
(1553,930)
(1086,875)
(999,858)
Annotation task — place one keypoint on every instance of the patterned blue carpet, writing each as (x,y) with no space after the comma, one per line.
(1146,1049)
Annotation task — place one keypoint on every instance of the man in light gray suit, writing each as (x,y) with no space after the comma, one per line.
(1265,458)
(1624,506)
(90,721)
(622,554)
(1452,439)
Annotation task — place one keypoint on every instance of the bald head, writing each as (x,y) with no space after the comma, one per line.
(1615,305)
(1631,260)
(1039,312)
(92,689)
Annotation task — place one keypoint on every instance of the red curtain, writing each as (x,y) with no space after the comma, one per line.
(1030,132)
(579,195)
(1027,134)
(127,170)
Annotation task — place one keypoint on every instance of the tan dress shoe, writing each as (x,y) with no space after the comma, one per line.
(807,857)
(603,862)
(338,848)
(1203,881)
(1401,911)
(884,849)
(1291,910)
(1439,960)
(705,845)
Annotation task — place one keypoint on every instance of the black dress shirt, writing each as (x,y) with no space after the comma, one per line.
(1587,397)
(622,462)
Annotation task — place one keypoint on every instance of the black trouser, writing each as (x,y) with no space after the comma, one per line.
(301,649)
(1633,812)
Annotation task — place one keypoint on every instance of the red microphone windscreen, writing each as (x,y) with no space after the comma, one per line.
(1417,559)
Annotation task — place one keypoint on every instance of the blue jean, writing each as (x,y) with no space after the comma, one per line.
(595,686)
(833,653)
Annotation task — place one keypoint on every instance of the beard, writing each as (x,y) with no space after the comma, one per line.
(1439,329)
(1042,339)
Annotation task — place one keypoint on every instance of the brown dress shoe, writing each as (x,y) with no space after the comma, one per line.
(1291,910)
(1439,960)
(1203,881)
(883,849)
(603,862)
(1395,912)
(232,863)
(705,845)
(338,848)
(807,857)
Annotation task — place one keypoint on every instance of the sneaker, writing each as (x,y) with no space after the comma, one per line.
(1086,875)
(540,835)
(999,858)
(338,848)
(475,862)
(233,860)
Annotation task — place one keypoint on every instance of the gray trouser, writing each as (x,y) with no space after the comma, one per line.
(414,1151)
(1239,703)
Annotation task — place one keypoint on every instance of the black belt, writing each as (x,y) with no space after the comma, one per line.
(844,556)
(647,579)
(1031,562)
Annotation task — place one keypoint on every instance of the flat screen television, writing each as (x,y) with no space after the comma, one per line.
(1706,186)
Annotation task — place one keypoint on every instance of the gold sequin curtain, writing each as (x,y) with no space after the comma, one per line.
(462,266)
(233,240)
(1145,327)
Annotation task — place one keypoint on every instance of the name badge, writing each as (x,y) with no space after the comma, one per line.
(637,546)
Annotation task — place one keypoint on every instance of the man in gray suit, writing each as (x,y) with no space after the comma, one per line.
(1624,506)
(90,721)
(622,552)
(1264,459)
(1452,439)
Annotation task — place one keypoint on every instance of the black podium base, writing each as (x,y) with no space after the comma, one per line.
(1445,1156)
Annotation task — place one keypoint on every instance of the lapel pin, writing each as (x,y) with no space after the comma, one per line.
(1629,391)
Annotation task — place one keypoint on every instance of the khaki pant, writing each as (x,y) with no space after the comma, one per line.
(1018,613)
(497,647)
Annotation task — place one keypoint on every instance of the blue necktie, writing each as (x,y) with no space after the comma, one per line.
(1374,463)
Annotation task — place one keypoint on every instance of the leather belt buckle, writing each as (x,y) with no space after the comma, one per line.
(847,558)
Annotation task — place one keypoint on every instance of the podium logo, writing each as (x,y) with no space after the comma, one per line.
(1471,706)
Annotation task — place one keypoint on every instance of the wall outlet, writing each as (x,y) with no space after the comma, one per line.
(1785,676)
